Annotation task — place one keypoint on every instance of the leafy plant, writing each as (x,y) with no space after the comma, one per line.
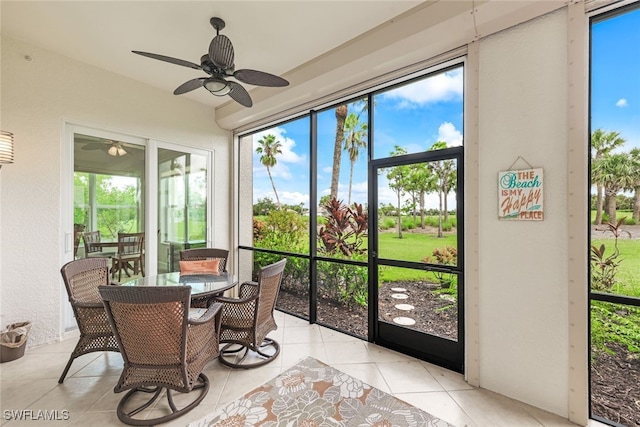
(447,255)
(280,229)
(345,230)
(605,267)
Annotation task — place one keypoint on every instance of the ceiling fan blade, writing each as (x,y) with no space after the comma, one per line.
(94,146)
(260,78)
(189,86)
(221,52)
(169,59)
(240,94)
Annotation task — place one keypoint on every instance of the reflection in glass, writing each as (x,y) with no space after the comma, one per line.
(108,188)
(182,205)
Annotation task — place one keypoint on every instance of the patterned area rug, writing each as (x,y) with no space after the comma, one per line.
(314,394)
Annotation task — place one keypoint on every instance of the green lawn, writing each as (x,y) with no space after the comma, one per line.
(628,275)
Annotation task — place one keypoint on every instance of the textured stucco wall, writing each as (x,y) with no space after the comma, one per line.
(523,272)
(37,97)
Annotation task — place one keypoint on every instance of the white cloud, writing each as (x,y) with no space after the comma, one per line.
(293,198)
(441,87)
(288,156)
(448,133)
(622,102)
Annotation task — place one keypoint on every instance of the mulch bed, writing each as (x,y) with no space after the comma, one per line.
(435,313)
(615,386)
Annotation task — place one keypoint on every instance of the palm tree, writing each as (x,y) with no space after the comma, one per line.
(614,172)
(355,140)
(341,116)
(602,143)
(268,148)
(635,184)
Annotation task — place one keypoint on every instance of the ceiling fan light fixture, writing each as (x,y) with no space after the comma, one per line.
(217,86)
(116,150)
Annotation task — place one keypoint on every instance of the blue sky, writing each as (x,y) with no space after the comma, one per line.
(432,106)
(421,112)
(615,78)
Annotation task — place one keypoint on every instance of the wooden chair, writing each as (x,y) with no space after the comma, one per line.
(78,229)
(201,254)
(93,247)
(247,320)
(130,255)
(163,349)
(82,278)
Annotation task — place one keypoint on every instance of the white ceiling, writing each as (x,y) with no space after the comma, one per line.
(272,36)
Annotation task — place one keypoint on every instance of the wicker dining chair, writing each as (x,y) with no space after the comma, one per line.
(81,279)
(201,254)
(163,349)
(247,320)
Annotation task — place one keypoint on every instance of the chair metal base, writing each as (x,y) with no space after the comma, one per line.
(127,417)
(231,350)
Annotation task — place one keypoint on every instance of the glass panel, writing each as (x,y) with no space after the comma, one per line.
(615,151)
(108,189)
(280,186)
(342,177)
(420,113)
(182,205)
(342,297)
(615,362)
(417,212)
(425,301)
(615,215)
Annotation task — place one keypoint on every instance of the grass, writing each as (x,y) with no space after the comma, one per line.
(619,214)
(628,275)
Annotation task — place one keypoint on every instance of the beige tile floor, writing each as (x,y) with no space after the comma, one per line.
(87,394)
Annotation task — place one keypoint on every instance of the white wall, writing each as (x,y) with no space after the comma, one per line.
(37,97)
(523,319)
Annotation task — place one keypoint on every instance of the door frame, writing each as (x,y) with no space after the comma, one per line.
(441,351)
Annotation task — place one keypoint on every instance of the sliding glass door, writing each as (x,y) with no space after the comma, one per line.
(117,183)
(182,205)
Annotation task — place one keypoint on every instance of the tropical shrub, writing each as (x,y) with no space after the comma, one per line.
(345,230)
(344,283)
(343,236)
(447,255)
(280,229)
(605,267)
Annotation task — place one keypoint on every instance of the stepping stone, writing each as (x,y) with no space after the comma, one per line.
(404,321)
(399,296)
(405,307)
(398,289)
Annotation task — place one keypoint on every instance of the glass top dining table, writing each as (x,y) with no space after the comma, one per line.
(202,285)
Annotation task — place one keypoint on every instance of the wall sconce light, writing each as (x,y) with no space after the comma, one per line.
(6,148)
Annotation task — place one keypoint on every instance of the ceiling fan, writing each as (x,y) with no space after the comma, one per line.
(218,63)
(113,148)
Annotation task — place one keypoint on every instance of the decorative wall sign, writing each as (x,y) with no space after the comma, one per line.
(520,195)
